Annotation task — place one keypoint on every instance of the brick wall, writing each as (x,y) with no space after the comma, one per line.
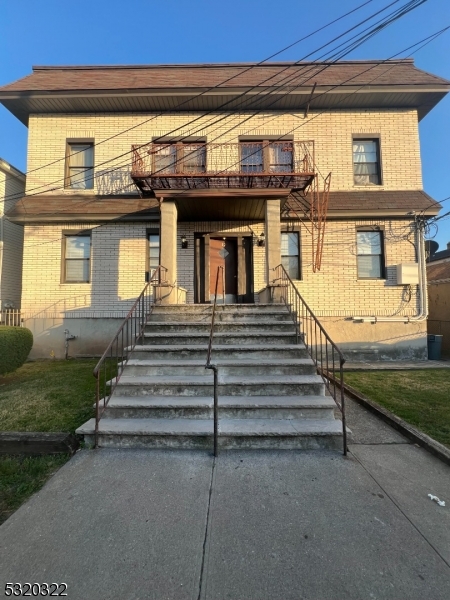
(332,132)
(118,264)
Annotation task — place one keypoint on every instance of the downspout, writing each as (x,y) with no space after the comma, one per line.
(423,309)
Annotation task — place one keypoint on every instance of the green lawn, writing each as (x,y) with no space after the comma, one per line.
(22,476)
(53,395)
(422,397)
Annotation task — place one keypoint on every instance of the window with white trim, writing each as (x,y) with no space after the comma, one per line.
(80,166)
(370,255)
(290,253)
(366,162)
(77,258)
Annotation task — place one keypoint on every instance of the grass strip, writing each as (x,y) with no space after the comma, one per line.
(421,397)
(22,476)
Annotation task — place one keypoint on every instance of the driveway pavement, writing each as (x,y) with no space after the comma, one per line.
(132,524)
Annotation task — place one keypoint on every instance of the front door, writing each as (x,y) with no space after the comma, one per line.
(223,253)
(232,253)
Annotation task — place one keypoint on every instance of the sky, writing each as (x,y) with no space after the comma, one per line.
(52,32)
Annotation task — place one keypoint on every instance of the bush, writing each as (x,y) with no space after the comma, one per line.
(15,346)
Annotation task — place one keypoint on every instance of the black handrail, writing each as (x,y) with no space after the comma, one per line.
(111,365)
(208,360)
(321,348)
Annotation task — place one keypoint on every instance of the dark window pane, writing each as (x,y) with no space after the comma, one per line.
(369,242)
(251,158)
(77,270)
(369,266)
(194,158)
(280,155)
(290,263)
(165,158)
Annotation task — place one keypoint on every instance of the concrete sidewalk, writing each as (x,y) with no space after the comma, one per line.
(126,524)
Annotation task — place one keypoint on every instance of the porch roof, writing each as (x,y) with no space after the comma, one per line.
(208,205)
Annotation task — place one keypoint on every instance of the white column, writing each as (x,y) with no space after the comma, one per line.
(168,241)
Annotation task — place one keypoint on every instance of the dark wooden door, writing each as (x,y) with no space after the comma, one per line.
(223,253)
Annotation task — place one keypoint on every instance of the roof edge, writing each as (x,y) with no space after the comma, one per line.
(215,65)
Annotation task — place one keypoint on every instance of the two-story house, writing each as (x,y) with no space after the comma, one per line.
(12,189)
(314,166)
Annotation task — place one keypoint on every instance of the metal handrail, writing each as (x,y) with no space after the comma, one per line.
(111,365)
(321,348)
(214,368)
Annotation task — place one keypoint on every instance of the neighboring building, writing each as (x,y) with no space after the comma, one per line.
(438,274)
(196,165)
(12,189)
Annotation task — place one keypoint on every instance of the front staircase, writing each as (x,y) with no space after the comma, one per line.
(270,395)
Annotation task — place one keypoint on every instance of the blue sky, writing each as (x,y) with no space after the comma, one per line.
(52,32)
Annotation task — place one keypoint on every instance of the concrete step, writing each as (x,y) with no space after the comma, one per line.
(306,434)
(205,308)
(243,327)
(245,367)
(230,407)
(221,316)
(219,351)
(201,385)
(260,337)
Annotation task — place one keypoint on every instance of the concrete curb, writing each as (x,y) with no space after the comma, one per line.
(37,443)
(415,435)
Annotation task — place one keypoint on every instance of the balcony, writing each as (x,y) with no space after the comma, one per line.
(246,165)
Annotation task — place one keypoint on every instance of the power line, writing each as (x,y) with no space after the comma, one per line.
(424,42)
(387,20)
(221,83)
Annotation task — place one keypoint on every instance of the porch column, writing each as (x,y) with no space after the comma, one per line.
(168,241)
(273,238)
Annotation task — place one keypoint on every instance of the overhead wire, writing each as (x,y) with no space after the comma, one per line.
(424,42)
(370,32)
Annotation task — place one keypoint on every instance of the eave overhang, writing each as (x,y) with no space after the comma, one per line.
(219,205)
(346,97)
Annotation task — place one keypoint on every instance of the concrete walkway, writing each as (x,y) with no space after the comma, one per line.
(126,524)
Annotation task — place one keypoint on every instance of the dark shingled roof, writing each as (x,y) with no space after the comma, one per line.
(53,78)
(438,271)
(377,202)
(61,207)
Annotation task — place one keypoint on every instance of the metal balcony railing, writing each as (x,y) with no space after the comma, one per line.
(265,164)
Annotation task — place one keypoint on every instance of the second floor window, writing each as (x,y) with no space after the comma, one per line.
(268,157)
(179,158)
(366,162)
(80,166)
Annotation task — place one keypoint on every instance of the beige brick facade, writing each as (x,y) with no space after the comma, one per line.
(119,250)
(331,131)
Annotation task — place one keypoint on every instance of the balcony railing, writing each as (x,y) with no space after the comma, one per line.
(285,164)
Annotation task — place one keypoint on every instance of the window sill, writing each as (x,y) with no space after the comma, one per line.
(375,186)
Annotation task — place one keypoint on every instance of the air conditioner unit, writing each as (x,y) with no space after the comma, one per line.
(408,274)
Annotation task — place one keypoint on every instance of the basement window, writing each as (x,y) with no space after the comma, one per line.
(366,162)
(80,166)
(76,258)
(290,253)
(370,255)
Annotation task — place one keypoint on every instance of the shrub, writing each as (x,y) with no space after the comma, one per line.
(15,346)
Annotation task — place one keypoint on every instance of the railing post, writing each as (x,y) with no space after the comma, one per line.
(341,385)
